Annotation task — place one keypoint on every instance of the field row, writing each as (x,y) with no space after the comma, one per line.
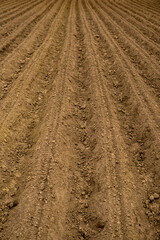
(79,119)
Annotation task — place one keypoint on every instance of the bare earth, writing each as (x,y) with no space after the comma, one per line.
(79,119)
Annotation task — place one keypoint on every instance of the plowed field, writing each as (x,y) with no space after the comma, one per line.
(79,119)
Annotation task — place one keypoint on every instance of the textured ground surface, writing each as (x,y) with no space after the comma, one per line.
(79,119)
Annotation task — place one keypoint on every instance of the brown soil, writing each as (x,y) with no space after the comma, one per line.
(79,120)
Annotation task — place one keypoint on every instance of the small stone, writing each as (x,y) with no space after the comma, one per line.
(86,205)
(12,204)
(3,219)
(150,214)
(156,195)
(100,225)
(151,198)
(83,106)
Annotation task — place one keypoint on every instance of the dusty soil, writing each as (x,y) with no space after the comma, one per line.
(79,119)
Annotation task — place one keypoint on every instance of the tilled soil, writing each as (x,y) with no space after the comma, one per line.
(79,119)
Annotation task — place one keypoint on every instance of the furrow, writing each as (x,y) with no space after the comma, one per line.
(20,57)
(25,62)
(10,30)
(147,68)
(12,5)
(47,179)
(87,217)
(22,33)
(149,8)
(4,21)
(18,60)
(3,2)
(141,28)
(99,219)
(136,35)
(123,219)
(5,8)
(142,143)
(132,74)
(79,120)
(73,170)
(15,9)
(138,14)
(23,125)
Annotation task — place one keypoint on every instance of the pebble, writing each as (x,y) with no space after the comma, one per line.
(147,212)
(151,198)
(12,204)
(156,195)
(3,219)
(83,106)
(86,205)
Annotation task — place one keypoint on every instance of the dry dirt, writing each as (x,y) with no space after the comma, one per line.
(79,119)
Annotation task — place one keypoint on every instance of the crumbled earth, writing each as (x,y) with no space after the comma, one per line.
(79,119)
